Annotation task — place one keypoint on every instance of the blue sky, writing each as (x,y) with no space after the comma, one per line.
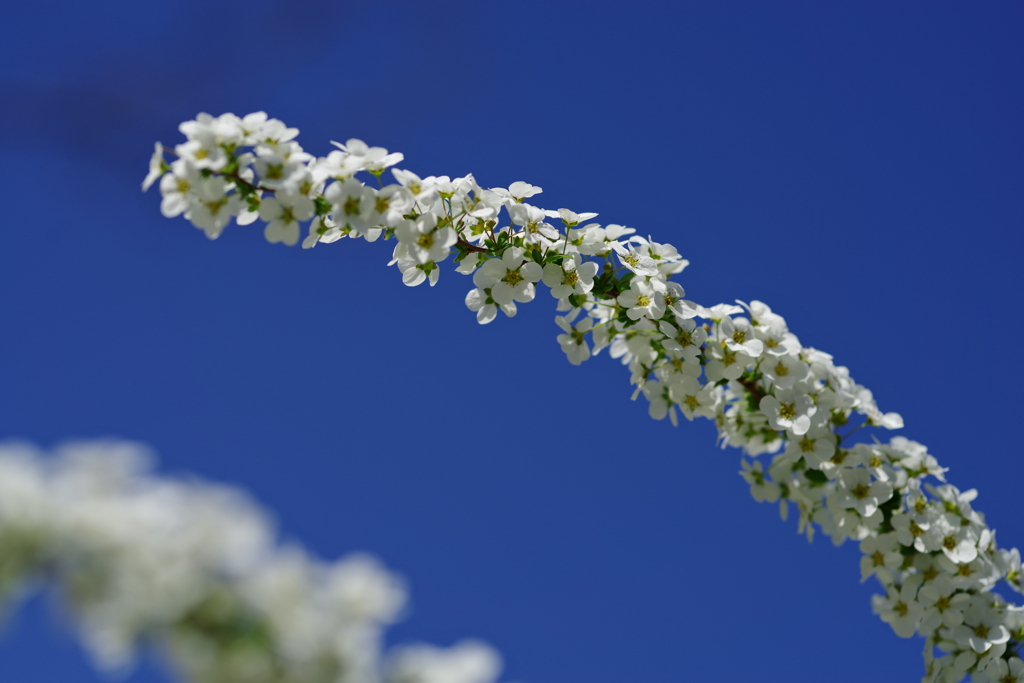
(859,168)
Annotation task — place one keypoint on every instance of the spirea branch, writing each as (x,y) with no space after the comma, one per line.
(777,400)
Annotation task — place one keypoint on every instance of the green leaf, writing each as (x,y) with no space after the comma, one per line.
(816,477)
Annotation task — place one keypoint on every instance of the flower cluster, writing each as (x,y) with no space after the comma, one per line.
(193,568)
(738,365)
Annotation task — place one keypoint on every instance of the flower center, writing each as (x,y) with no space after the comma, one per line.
(806,445)
(981,631)
(643,301)
(739,336)
(351,206)
(425,241)
(382,204)
(570,278)
(949,542)
(860,492)
(512,277)
(216,205)
(781,370)
(275,171)
(787,411)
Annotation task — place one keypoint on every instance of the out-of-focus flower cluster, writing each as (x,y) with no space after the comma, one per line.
(738,365)
(194,569)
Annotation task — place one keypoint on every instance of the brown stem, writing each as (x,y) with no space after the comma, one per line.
(470,247)
(752,388)
(239,179)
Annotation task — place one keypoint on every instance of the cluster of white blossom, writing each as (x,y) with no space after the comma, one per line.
(193,568)
(740,367)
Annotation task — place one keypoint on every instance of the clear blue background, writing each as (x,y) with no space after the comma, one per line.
(859,168)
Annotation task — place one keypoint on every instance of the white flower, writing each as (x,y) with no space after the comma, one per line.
(210,208)
(659,404)
(789,409)
(641,299)
(899,608)
(784,371)
(983,625)
(468,265)
(535,229)
(942,606)
(636,262)
(684,337)
(817,446)
(203,152)
(738,335)
(914,457)
(762,489)
(352,207)
(276,172)
(390,204)
(480,300)
(317,229)
(881,557)
(268,133)
(694,399)
(176,186)
(674,301)
(513,278)
(910,531)
(959,543)
(724,363)
(574,341)
(978,574)
(157,167)
(465,662)
(424,240)
(668,260)
(860,492)
(572,277)
(593,240)
(283,212)
(520,190)
(1006,670)
(364,157)
(718,311)
(683,348)
(778,341)
(571,219)
(762,315)
(423,190)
